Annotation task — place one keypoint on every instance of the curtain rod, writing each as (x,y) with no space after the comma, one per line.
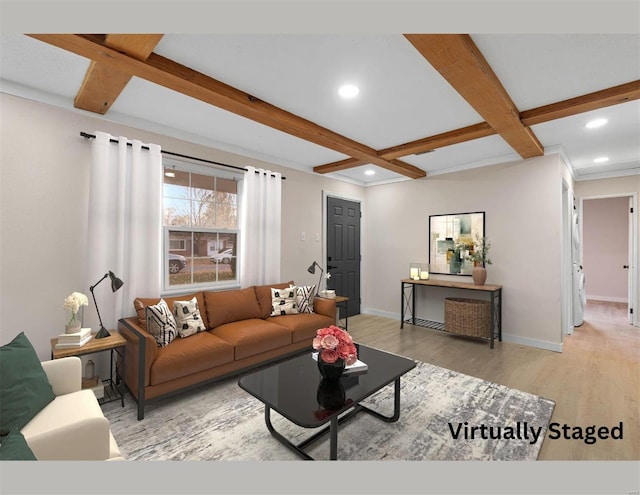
(92,136)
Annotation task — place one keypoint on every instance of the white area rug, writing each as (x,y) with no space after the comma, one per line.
(445,415)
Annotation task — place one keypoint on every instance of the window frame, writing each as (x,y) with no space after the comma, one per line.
(194,168)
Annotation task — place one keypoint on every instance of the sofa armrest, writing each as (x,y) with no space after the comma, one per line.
(64,374)
(324,306)
(141,351)
(86,440)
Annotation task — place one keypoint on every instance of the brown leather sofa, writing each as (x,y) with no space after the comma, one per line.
(240,335)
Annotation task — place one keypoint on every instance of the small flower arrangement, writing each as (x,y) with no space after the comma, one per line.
(73,303)
(333,343)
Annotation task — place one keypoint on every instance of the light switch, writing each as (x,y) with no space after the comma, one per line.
(317,236)
(303,236)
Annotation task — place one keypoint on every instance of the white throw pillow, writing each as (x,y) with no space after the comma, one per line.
(188,319)
(161,323)
(283,301)
(304,298)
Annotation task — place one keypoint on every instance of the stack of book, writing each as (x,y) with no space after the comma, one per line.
(355,368)
(73,340)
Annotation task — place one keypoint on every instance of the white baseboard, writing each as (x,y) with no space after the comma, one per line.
(384,314)
(608,299)
(514,339)
(539,344)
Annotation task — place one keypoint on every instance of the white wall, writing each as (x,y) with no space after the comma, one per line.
(605,248)
(43,196)
(43,193)
(522,202)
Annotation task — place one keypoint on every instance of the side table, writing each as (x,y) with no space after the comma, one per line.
(343,300)
(115,343)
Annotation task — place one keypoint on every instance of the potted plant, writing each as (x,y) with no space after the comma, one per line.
(480,258)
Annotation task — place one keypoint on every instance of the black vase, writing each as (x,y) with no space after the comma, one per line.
(331,395)
(331,371)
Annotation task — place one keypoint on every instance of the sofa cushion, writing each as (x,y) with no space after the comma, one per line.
(188,319)
(227,306)
(283,301)
(139,303)
(251,337)
(303,326)
(161,323)
(24,387)
(15,448)
(263,295)
(184,357)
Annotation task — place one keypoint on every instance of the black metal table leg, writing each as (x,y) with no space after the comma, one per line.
(396,406)
(333,439)
(332,429)
(402,297)
(493,317)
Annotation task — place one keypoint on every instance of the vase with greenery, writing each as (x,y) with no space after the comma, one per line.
(480,258)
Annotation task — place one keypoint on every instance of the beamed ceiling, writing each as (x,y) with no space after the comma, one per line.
(410,84)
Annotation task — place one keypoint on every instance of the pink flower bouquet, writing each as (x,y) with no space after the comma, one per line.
(333,343)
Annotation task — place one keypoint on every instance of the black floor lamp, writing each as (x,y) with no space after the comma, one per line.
(116,283)
(312,270)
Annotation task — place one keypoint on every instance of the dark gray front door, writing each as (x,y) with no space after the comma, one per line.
(343,250)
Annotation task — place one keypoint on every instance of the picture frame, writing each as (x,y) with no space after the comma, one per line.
(451,240)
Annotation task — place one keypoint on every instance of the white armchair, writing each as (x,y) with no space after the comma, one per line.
(72,426)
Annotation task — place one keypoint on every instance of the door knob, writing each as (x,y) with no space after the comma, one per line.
(626,267)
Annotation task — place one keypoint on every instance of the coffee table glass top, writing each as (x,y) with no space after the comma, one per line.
(290,387)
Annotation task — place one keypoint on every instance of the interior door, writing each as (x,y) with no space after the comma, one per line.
(343,251)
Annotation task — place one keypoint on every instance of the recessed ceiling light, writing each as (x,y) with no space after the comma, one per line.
(596,123)
(348,91)
(369,172)
(601,159)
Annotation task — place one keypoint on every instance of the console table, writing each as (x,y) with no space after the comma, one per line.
(408,303)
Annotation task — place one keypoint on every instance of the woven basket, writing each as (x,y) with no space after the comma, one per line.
(470,317)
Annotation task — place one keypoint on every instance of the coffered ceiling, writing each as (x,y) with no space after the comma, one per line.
(427,104)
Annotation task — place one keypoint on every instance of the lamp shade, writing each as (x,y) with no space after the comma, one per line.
(116,283)
(312,270)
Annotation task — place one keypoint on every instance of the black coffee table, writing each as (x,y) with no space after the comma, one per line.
(291,388)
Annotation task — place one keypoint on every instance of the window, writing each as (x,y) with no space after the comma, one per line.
(200,226)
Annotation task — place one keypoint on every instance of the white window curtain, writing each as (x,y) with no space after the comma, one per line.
(260,227)
(124,225)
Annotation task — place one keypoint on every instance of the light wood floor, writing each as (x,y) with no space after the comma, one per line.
(594,381)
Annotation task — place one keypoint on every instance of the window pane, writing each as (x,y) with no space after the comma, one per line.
(176,184)
(177,212)
(203,214)
(227,187)
(227,217)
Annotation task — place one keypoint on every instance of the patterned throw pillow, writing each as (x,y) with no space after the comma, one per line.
(161,323)
(304,298)
(283,301)
(188,319)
